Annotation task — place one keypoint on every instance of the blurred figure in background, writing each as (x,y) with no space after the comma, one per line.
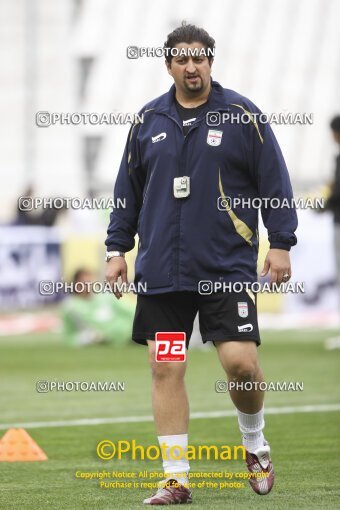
(95,318)
(46,217)
(333,205)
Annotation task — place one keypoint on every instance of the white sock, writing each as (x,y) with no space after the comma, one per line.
(173,468)
(251,426)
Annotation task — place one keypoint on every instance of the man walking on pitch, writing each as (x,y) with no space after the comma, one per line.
(181,171)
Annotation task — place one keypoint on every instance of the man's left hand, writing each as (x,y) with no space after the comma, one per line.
(277,263)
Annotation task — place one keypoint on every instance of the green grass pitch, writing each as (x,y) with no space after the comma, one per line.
(305,446)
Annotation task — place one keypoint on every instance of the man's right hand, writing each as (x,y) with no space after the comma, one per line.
(116,267)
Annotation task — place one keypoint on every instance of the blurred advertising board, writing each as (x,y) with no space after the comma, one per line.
(28,255)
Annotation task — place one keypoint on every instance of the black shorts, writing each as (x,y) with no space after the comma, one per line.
(222,316)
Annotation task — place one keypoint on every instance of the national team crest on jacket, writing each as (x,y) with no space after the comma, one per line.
(214,137)
(242,309)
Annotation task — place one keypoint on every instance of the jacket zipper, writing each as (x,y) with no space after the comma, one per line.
(181,171)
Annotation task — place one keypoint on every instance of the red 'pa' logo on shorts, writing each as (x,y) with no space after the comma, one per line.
(170,346)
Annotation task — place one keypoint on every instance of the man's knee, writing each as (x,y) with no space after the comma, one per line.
(163,371)
(239,359)
(243,370)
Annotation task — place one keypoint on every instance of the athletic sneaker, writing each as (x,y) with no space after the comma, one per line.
(171,493)
(260,462)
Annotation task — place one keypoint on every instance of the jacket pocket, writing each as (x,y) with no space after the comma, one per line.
(154,263)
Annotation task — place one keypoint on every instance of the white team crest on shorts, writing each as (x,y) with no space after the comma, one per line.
(242,307)
(214,137)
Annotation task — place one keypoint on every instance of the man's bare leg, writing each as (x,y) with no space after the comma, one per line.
(169,397)
(240,362)
(171,412)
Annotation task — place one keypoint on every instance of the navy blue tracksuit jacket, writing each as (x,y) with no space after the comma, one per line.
(185,240)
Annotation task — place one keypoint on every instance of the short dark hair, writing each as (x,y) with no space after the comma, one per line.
(189,34)
(335,124)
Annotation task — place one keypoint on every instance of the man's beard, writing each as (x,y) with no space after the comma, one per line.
(194,88)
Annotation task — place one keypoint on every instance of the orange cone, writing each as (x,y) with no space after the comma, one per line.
(18,446)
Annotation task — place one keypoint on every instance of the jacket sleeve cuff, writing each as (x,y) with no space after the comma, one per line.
(282,240)
(116,247)
(280,246)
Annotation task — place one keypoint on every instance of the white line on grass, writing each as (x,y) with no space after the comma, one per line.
(322,408)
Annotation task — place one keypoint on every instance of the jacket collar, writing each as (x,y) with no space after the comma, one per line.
(216,99)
